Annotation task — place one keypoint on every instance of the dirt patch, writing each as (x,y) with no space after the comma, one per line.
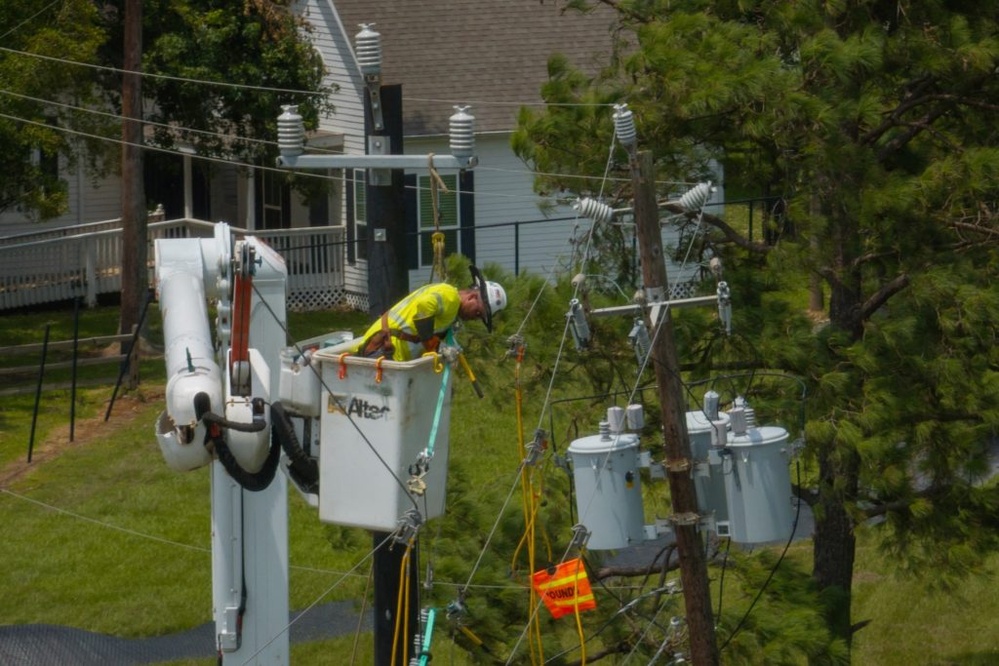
(127,408)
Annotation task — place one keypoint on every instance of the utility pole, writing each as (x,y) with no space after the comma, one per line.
(393,569)
(134,272)
(693,566)
(385,196)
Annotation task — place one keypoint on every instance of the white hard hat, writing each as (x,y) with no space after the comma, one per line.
(495,296)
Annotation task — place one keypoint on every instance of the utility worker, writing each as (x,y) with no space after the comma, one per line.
(417,324)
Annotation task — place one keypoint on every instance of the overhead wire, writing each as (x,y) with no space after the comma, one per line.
(30,18)
(479,193)
(347,176)
(520,472)
(583,258)
(228,161)
(116,116)
(217,160)
(374,450)
(207,550)
(319,598)
(165,77)
(547,401)
(589,239)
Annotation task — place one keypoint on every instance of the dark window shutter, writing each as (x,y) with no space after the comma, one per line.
(351,230)
(411,204)
(466,186)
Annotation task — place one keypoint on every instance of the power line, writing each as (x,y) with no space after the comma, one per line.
(30,18)
(166,77)
(115,116)
(243,86)
(262,142)
(476,103)
(219,160)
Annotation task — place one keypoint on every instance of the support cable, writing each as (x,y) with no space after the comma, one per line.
(319,376)
(322,596)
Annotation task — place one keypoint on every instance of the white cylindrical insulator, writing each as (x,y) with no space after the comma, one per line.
(624,125)
(615,418)
(738,422)
(635,416)
(719,433)
(695,198)
(640,341)
(750,413)
(462,132)
(595,210)
(368,47)
(604,430)
(291,131)
(711,405)
(578,325)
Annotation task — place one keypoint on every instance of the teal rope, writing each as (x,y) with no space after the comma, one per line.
(425,650)
(440,400)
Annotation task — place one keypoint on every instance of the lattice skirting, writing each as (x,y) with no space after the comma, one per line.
(684,289)
(326,299)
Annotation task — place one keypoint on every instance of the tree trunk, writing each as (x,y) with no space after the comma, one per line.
(834,545)
(134,276)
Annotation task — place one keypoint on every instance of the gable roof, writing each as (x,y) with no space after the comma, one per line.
(489,54)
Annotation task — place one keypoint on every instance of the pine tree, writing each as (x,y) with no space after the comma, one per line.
(873,123)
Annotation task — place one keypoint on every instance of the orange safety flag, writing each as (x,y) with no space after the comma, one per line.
(565,588)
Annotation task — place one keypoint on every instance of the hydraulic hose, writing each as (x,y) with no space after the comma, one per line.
(252,481)
(303,468)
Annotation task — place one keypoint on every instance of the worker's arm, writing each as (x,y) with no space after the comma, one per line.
(424,327)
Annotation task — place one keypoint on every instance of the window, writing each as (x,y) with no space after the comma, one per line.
(273,197)
(447,209)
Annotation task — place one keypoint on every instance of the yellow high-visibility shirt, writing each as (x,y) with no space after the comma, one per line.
(440,301)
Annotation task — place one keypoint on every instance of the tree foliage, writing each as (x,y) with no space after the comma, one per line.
(29,143)
(873,122)
(215,75)
(218,72)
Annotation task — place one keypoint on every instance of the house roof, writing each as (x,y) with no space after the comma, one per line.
(489,54)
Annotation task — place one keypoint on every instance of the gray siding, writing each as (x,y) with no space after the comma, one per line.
(335,42)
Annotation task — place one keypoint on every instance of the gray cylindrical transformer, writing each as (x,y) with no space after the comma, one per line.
(709,482)
(758,485)
(605,469)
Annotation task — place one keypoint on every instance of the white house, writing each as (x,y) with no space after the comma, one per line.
(491,56)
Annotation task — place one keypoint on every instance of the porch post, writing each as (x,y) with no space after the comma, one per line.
(251,198)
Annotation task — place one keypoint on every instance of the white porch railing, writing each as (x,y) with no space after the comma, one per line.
(86,262)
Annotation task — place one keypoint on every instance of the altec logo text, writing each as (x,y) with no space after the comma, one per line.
(361,408)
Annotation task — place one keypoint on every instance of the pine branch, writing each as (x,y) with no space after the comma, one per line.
(619,648)
(882,295)
(915,129)
(730,234)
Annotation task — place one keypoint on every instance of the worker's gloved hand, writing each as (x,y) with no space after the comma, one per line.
(449,352)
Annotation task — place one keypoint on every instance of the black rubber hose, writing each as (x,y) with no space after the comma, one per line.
(303,468)
(255,426)
(252,481)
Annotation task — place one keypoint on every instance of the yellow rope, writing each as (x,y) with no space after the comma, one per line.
(530,506)
(579,622)
(402,606)
(437,239)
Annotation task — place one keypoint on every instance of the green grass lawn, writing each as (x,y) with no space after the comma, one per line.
(105,537)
